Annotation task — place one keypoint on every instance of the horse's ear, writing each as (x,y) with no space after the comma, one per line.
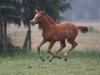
(43,13)
(36,11)
(44,10)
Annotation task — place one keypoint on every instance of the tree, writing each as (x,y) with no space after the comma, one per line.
(27,14)
(9,13)
(14,11)
(52,7)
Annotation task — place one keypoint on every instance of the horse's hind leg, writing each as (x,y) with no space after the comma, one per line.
(74,44)
(38,48)
(63,45)
(50,47)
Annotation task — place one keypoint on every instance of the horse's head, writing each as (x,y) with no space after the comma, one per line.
(38,18)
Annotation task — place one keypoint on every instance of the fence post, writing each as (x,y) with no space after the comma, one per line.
(27,43)
(29,37)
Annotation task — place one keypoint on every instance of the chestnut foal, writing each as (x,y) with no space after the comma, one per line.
(53,32)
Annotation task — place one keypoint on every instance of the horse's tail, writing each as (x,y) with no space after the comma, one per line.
(83,29)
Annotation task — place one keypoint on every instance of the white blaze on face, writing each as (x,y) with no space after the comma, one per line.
(34,18)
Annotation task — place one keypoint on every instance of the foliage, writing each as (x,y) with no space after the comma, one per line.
(10,11)
(15,11)
(52,7)
(11,49)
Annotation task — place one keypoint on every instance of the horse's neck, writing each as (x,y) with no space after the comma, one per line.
(48,26)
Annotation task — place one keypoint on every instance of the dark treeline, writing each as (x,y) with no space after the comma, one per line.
(15,11)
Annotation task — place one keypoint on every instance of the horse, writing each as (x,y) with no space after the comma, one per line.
(53,32)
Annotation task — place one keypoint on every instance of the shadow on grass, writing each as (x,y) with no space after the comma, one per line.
(73,54)
(34,55)
(85,54)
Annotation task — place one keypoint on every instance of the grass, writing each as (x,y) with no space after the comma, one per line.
(28,63)
(82,61)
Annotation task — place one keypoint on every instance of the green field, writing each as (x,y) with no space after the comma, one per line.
(85,60)
(28,63)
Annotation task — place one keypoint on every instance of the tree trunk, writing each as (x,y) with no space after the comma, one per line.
(5,38)
(1,39)
(1,34)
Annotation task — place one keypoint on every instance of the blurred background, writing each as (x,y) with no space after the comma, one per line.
(83,10)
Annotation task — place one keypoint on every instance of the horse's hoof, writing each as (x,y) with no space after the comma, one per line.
(42,59)
(50,60)
(65,59)
(59,57)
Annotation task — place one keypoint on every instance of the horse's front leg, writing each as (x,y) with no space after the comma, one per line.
(49,49)
(38,48)
(63,45)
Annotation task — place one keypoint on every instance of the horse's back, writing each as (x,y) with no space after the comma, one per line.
(66,26)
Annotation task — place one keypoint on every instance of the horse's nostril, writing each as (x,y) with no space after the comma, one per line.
(31,22)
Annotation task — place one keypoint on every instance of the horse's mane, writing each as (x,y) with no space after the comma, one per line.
(50,19)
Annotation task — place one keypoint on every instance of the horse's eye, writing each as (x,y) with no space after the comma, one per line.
(39,17)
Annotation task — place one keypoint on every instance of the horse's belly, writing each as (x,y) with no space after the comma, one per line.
(62,37)
(63,34)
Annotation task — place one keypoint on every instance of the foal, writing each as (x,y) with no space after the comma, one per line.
(53,32)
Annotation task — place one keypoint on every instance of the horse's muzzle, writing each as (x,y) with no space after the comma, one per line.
(31,22)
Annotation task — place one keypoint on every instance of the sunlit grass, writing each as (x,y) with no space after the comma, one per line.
(79,63)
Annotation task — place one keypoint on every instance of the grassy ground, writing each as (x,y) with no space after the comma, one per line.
(85,60)
(79,63)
